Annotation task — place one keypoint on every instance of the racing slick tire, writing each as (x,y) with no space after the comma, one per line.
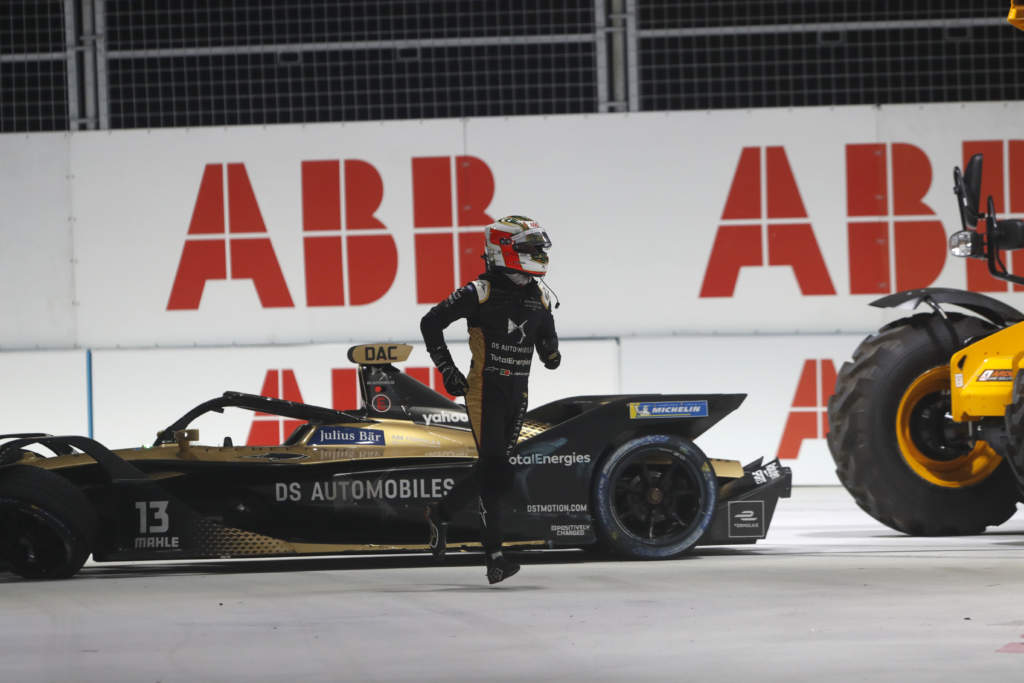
(896,448)
(47,525)
(653,498)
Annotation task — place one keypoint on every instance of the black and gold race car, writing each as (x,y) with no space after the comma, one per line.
(620,473)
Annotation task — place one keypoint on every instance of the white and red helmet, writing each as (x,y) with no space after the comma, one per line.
(517,243)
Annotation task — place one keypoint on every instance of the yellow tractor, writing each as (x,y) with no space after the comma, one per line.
(1016,15)
(927,421)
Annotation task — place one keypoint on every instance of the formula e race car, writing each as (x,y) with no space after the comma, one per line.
(620,473)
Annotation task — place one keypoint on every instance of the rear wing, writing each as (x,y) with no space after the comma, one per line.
(379,354)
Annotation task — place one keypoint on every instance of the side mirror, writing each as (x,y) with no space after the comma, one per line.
(968,192)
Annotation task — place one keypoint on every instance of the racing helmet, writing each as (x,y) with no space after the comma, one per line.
(517,243)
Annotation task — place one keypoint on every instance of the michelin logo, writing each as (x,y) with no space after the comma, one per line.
(654,409)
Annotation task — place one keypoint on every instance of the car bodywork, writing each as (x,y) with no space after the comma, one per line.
(358,481)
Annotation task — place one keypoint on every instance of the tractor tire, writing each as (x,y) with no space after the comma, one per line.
(653,498)
(47,525)
(897,450)
(1014,421)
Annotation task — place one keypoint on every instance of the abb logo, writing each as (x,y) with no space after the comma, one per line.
(764,190)
(350,258)
(271,430)
(884,188)
(808,418)
(363,248)
(1003,180)
(230,244)
(894,240)
(448,242)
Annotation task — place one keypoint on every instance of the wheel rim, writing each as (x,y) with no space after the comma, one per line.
(657,498)
(934,446)
(34,545)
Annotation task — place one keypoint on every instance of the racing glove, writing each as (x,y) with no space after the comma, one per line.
(454,381)
(553,360)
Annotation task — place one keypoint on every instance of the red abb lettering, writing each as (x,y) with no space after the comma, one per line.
(271,430)
(917,245)
(448,257)
(809,417)
(368,252)
(243,253)
(790,237)
(1003,180)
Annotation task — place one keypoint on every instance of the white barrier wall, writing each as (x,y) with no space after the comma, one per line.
(766,220)
(37,305)
(44,391)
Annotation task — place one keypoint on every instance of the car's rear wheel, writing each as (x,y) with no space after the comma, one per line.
(47,525)
(653,497)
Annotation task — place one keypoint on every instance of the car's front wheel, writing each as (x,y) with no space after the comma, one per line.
(653,497)
(47,525)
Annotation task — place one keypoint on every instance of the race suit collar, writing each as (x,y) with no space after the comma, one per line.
(506,280)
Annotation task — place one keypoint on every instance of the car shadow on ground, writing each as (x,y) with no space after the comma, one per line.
(335,563)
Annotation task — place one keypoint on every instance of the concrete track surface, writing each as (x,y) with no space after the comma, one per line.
(830,595)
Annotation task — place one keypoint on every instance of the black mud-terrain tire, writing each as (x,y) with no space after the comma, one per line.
(47,525)
(1014,420)
(653,498)
(869,458)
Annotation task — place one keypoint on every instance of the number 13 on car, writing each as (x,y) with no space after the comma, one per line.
(153,517)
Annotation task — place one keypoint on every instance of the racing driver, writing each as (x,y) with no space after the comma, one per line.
(508,316)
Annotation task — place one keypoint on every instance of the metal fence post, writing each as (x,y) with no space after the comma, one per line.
(89,60)
(618,55)
(601,56)
(632,67)
(71,46)
(102,80)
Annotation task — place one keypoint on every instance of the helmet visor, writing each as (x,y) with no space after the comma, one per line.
(533,241)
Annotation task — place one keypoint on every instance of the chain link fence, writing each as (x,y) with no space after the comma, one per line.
(717,55)
(85,64)
(35,64)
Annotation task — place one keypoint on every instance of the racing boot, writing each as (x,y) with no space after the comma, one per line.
(500,567)
(438,531)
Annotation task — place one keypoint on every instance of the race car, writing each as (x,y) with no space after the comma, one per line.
(618,473)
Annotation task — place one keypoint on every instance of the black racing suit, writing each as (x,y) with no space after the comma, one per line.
(506,322)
